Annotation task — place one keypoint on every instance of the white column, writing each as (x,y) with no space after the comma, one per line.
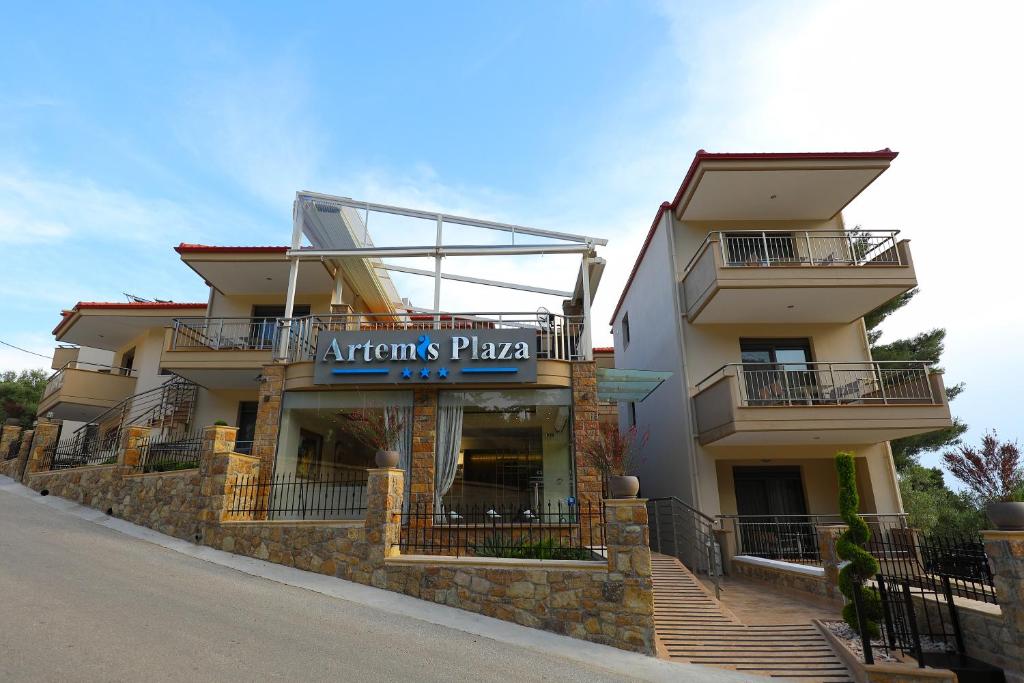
(337,298)
(437,274)
(293,279)
(586,343)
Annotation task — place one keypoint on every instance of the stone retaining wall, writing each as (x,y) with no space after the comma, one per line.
(788,579)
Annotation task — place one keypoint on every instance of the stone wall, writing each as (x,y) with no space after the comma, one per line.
(1005,550)
(787,579)
(13,467)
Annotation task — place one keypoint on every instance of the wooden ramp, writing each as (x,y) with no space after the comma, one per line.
(693,626)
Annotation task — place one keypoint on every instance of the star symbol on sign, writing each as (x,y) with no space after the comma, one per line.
(424,373)
(406,373)
(442,373)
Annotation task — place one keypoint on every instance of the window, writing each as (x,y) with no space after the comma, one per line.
(625,330)
(316,438)
(127,361)
(778,371)
(247,411)
(509,449)
(264,322)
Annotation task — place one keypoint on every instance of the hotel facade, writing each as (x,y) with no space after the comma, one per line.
(751,290)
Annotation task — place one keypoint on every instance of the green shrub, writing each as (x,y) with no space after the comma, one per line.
(850,547)
(220,423)
(500,545)
(170,466)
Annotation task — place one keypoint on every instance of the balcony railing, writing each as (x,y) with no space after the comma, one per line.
(558,336)
(56,380)
(836,383)
(743,248)
(224,334)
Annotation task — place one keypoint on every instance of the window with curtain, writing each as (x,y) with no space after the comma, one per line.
(509,449)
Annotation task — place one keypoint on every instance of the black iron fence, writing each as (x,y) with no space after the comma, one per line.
(170,453)
(81,450)
(553,532)
(341,494)
(926,561)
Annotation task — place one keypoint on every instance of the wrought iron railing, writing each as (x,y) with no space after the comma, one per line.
(170,453)
(224,334)
(553,532)
(743,248)
(831,383)
(340,494)
(681,531)
(558,337)
(56,380)
(82,450)
(794,538)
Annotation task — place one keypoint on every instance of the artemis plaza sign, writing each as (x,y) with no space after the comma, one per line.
(420,356)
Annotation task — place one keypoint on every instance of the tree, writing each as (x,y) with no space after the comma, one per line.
(861,566)
(924,346)
(931,506)
(20,393)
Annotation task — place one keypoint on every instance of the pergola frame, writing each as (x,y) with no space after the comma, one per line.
(568,243)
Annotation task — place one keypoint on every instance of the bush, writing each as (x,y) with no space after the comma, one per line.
(521,549)
(850,547)
(170,466)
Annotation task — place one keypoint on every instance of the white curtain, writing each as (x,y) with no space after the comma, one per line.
(449,437)
(403,444)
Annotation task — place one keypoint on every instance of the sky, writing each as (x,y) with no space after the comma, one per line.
(126,128)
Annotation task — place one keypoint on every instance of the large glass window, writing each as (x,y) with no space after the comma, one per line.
(317,441)
(508,449)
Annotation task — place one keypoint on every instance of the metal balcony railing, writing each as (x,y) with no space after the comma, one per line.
(224,334)
(742,248)
(835,383)
(558,336)
(56,380)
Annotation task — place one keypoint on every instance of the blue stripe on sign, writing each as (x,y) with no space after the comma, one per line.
(489,370)
(359,371)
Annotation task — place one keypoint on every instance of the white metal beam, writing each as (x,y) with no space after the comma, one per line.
(449,218)
(477,280)
(433,251)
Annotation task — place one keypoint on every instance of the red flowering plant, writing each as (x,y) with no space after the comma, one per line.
(993,474)
(612,452)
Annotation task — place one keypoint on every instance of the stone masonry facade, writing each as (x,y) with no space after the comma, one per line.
(607,601)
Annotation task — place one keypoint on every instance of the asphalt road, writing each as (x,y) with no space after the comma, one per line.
(82,602)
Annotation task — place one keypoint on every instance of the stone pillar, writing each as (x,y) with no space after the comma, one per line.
(629,566)
(424,441)
(384,491)
(133,440)
(219,466)
(268,415)
(10,439)
(26,447)
(585,423)
(43,439)
(827,536)
(1005,550)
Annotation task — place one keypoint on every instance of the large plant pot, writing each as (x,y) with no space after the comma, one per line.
(623,487)
(12,422)
(1006,516)
(387,458)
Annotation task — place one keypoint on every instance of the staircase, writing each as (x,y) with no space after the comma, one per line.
(693,626)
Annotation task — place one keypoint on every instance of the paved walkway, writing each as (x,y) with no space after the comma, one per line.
(774,637)
(88,597)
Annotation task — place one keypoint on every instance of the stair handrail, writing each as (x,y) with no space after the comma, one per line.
(705,550)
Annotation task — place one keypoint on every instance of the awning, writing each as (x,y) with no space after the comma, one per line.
(614,384)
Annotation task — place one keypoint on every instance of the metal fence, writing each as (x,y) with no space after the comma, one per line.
(167,454)
(217,334)
(83,449)
(554,532)
(681,531)
(794,538)
(557,336)
(338,495)
(814,247)
(836,383)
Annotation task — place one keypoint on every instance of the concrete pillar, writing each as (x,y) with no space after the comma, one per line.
(726,541)
(1005,550)
(424,443)
(44,438)
(268,415)
(827,536)
(384,489)
(629,565)
(133,441)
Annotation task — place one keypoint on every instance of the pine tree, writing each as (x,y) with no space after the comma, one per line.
(924,346)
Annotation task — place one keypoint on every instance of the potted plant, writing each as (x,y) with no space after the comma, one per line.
(994,476)
(378,429)
(614,454)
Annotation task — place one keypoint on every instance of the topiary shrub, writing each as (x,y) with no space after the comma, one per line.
(850,547)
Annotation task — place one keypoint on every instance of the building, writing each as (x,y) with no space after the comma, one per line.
(751,290)
(298,343)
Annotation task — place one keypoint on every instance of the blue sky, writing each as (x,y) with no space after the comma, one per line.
(126,128)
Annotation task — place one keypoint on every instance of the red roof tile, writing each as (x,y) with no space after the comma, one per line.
(184,248)
(132,305)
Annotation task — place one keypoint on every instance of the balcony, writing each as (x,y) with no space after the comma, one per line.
(220,353)
(847,403)
(81,391)
(771,276)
